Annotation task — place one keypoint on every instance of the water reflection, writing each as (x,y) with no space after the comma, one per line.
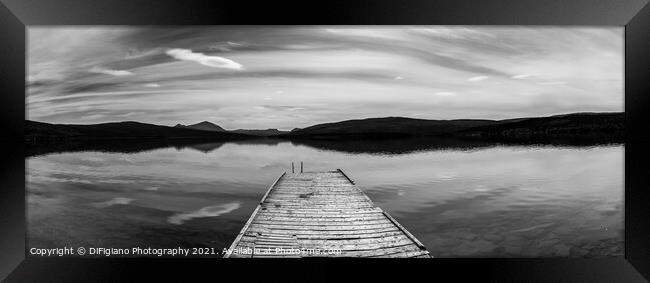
(459,199)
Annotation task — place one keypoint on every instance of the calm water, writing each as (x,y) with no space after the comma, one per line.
(487,201)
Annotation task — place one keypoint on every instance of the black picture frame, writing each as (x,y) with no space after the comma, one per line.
(15,15)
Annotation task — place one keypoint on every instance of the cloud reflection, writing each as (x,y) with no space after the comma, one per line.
(209,211)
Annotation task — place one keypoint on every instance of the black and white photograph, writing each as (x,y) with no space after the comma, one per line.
(400,141)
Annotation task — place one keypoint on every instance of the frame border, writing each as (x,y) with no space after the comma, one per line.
(634,15)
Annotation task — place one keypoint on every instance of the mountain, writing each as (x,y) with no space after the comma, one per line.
(608,126)
(386,127)
(119,130)
(566,126)
(265,133)
(204,126)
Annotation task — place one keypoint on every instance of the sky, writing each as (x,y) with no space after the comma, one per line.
(259,77)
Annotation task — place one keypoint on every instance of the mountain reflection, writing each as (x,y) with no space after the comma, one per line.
(355,146)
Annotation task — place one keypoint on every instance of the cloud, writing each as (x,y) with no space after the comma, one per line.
(114,201)
(125,114)
(360,32)
(522,77)
(209,211)
(445,93)
(279,107)
(81,87)
(455,33)
(93,116)
(210,61)
(134,53)
(152,85)
(552,83)
(399,78)
(85,96)
(117,73)
(477,79)
(225,47)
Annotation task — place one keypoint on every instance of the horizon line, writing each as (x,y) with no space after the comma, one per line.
(355,119)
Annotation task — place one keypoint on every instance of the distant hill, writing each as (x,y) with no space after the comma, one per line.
(386,127)
(118,130)
(568,126)
(208,126)
(204,126)
(265,133)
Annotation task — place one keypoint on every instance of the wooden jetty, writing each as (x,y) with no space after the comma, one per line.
(322,214)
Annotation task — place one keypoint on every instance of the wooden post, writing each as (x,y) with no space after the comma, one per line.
(300,166)
(292,171)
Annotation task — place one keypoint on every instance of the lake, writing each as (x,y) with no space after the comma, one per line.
(473,200)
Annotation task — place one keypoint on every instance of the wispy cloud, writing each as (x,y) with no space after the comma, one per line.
(445,93)
(134,53)
(111,202)
(117,73)
(209,211)
(523,76)
(210,61)
(366,32)
(152,85)
(553,83)
(455,32)
(477,79)
(93,117)
(279,107)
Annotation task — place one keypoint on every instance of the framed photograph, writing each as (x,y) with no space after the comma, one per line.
(492,141)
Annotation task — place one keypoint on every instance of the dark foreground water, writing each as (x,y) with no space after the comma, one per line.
(460,201)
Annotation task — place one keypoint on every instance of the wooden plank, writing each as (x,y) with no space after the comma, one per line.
(317,197)
(298,212)
(323,223)
(321,227)
(306,233)
(263,217)
(365,246)
(385,252)
(307,199)
(336,242)
(273,207)
(314,206)
(300,237)
(404,254)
